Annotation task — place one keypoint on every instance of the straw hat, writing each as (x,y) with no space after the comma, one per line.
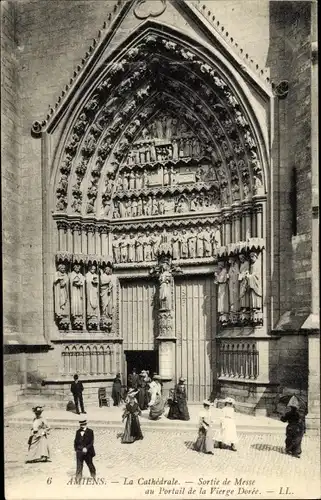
(230,401)
(132,392)
(207,402)
(182,379)
(83,421)
(157,377)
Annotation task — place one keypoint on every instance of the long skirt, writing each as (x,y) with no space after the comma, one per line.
(38,449)
(132,430)
(142,398)
(293,440)
(204,442)
(157,409)
(178,411)
(228,433)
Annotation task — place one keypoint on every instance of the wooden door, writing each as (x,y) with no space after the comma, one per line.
(137,315)
(195,324)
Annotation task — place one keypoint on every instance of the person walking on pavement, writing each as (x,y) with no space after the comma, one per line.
(228,434)
(77,390)
(84,448)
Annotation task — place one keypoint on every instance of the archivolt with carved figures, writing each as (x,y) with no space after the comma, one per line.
(157,138)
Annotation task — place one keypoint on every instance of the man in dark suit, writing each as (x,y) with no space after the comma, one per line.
(84,448)
(77,389)
(133,380)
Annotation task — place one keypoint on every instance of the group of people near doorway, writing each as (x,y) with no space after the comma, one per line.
(38,446)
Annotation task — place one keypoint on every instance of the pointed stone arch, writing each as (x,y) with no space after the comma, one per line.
(103,126)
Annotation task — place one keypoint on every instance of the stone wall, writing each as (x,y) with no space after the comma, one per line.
(289,59)
(11,199)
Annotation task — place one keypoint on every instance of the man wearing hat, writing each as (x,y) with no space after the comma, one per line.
(84,448)
(77,390)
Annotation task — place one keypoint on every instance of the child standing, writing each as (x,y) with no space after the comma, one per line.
(228,434)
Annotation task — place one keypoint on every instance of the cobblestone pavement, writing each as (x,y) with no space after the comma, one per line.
(259,458)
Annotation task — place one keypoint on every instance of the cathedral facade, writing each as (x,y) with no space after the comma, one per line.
(167,200)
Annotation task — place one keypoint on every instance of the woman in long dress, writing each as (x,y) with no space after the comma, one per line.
(178,409)
(38,450)
(142,397)
(204,442)
(131,414)
(294,430)
(228,435)
(156,404)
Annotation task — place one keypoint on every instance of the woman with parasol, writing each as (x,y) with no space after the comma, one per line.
(38,450)
(296,425)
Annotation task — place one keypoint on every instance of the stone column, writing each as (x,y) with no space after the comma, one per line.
(227,229)
(166,349)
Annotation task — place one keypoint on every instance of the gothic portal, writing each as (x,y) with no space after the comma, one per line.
(156,216)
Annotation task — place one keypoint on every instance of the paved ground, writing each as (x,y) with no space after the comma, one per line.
(259,459)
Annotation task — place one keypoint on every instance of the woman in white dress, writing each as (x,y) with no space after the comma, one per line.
(156,404)
(228,435)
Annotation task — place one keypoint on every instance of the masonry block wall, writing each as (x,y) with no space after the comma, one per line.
(11,196)
(289,59)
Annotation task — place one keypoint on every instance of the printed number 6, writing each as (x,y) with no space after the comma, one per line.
(49,480)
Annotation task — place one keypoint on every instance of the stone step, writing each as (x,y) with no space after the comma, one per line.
(111,418)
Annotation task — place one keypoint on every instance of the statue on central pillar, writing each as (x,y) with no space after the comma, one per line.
(164,272)
(165,290)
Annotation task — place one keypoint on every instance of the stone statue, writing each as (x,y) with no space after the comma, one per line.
(139,249)
(184,247)
(116,250)
(122,209)
(200,243)
(61,283)
(92,286)
(166,176)
(233,284)
(125,182)
(221,279)
(138,180)
(192,244)
(131,248)
(134,208)
(144,179)
(207,239)
(217,242)
(107,283)
(165,280)
(131,180)
(244,289)
(147,248)
(139,207)
(148,206)
(254,279)
(161,206)
(128,208)
(173,176)
(77,282)
(155,241)
(175,245)
(123,249)
(154,206)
